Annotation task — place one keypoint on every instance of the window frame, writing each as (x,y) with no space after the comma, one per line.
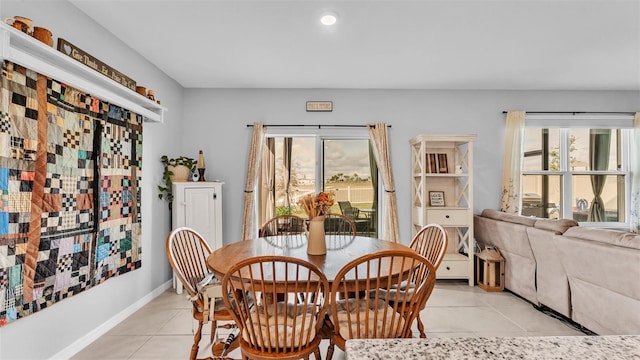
(565,122)
(327,133)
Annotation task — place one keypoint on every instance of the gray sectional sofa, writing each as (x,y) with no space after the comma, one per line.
(589,275)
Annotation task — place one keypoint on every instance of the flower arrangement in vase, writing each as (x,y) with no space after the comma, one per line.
(316,207)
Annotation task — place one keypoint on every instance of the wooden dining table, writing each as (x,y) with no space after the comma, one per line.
(340,251)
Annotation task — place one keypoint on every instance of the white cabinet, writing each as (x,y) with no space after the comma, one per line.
(198,205)
(442,193)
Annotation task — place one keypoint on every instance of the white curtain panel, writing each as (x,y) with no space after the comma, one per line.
(380,145)
(635,175)
(512,162)
(249,221)
(266,182)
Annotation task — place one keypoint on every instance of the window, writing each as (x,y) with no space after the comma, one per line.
(576,172)
(326,163)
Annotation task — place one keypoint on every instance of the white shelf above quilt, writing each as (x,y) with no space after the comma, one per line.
(25,50)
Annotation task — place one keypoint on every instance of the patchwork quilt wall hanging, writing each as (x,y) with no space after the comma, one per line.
(70,174)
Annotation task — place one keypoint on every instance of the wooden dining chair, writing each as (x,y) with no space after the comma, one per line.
(431,242)
(287,328)
(187,252)
(376,308)
(340,229)
(285,231)
(283,225)
(338,224)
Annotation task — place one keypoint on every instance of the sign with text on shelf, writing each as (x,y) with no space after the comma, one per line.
(87,59)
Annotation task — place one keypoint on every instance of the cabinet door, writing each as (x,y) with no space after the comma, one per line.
(200,212)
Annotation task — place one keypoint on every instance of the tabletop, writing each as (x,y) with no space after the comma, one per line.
(221,260)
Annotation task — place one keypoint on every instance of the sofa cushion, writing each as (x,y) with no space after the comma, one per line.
(512,218)
(613,237)
(558,226)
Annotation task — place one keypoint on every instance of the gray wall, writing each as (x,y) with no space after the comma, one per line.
(49,331)
(218,119)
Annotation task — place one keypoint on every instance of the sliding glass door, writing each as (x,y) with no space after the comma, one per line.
(342,166)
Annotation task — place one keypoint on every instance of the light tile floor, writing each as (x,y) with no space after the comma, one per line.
(163,328)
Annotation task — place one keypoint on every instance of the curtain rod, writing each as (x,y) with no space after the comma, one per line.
(578,112)
(318,126)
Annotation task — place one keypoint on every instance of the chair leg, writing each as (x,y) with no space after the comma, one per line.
(214,329)
(196,342)
(317,354)
(421,327)
(330,349)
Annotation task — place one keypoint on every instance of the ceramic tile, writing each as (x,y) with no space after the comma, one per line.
(112,347)
(182,323)
(500,299)
(163,328)
(453,296)
(464,319)
(145,321)
(531,319)
(170,300)
(450,334)
(167,347)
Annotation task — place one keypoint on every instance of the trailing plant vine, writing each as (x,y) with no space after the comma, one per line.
(164,189)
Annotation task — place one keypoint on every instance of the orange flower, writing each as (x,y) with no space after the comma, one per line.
(317,205)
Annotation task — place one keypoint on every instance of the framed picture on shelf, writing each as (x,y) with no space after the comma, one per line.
(443,167)
(436,198)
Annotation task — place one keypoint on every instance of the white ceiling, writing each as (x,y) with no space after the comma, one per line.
(420,44)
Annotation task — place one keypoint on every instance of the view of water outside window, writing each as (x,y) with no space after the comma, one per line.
(346,170)
(543,194)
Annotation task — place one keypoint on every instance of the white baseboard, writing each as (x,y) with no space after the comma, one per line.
(96,333)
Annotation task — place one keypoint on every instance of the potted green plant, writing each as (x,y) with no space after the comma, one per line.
(175,169)
(283,210)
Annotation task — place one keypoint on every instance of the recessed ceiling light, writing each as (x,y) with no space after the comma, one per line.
(328,19)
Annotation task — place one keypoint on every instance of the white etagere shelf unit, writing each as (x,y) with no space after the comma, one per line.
(22,49)
(455,181)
